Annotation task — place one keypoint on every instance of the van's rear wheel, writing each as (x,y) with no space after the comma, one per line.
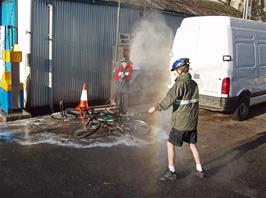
(242,109)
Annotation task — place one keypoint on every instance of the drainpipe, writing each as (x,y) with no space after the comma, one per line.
(245,9)
(50,60)
(115,54)
(117,32)
(250,10)
(27,59)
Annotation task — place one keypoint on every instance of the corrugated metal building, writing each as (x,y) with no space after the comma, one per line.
(84,35)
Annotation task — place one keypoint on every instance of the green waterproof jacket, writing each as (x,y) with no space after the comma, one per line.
(184,96)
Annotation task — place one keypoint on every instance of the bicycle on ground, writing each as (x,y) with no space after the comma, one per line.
(112,122)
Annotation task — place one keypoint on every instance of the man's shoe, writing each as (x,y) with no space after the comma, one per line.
(168,176)
(200,174)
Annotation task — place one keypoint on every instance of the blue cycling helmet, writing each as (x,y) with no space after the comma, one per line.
(179,63)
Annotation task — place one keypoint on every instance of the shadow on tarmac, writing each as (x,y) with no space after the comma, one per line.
(257,110)
(239,150)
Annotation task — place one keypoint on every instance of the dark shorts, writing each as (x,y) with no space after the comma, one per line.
(178,137)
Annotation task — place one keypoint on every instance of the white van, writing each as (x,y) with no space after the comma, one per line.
(228,61)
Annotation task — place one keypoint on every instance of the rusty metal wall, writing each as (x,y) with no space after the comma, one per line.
(84,36)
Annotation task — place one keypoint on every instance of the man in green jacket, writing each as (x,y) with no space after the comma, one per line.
(184,97)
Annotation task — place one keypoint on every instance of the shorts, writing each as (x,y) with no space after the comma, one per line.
(178,137)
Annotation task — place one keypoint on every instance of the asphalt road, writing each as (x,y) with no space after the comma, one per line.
(233,155)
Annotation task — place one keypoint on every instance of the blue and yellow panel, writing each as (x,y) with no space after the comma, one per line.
(6,93)
(9,17)
(6,100)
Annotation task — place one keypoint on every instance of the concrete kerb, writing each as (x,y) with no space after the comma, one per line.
(6,117)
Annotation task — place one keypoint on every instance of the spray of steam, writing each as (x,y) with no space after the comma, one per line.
(150,51)
(152,43)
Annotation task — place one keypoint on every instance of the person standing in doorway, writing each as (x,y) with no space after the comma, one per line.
(123,75)
(184,97)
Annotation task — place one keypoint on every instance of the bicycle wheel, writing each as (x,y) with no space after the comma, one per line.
(64,116)
(88,129)
(137,127)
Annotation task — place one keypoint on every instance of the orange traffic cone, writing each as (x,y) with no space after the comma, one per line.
(83,105)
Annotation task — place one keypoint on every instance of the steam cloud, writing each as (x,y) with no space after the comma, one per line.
(152,43)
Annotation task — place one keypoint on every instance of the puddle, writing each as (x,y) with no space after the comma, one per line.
(6,137)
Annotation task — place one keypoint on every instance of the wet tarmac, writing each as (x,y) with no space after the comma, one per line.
(40,158)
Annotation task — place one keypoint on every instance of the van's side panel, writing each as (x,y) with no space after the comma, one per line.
(260,73)
(244,61)
(250,64)
(261,61)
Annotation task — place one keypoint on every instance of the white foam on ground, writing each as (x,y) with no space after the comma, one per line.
(27,122)
(3,125)
(63,140)
(24,133)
